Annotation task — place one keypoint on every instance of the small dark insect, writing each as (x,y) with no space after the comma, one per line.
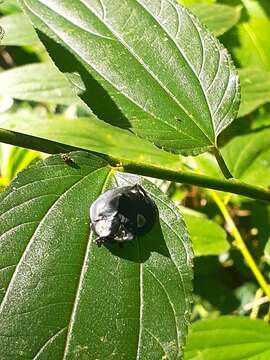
(66,158)
(121,214)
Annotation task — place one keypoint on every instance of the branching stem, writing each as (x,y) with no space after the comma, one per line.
(188,177)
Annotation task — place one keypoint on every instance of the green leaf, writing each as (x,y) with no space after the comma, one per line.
(195,2)
(208,238)
(255,89)
(62,296)
(229,338)
(249,42)
(37,82)
(91,134)
(219,18)
(9,6)
(6,102)
(149,66)
(18,31)
(248,157)
(14,159)
(207,164)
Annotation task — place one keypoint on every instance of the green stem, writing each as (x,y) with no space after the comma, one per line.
(51,147)
(222,165)
(33,143)
(256,306)
(240,244)
(232,186)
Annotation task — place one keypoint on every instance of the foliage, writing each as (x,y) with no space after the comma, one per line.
(212,339)
(135,92)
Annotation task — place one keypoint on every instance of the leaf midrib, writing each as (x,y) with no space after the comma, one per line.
(13,278)
(81,277)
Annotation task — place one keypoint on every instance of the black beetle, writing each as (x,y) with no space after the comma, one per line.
(121,214)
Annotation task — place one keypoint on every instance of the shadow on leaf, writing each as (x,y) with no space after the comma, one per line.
(141,248)
(95,96)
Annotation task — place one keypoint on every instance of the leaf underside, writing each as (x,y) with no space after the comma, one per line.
(150,66)
(37,82)
(91,134)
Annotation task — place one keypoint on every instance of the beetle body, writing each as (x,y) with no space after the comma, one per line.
(121,214)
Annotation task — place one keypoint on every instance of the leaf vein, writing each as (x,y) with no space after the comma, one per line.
(27,248)
(186,60)
(144,65)
(170,302)
(80,283)
(48,342)
(112,84)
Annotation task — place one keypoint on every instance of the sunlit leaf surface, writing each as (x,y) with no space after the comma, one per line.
(146,65)
(229,338)
(37,82)
(61,296)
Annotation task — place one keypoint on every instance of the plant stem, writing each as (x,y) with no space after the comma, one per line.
(260,301)
(267,316)
(240,244)
(232,186)
(33,143)
(256,306)
(222,165)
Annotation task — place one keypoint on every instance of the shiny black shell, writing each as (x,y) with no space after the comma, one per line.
(122,213)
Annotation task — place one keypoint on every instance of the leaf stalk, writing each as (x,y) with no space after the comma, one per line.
(221,163)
